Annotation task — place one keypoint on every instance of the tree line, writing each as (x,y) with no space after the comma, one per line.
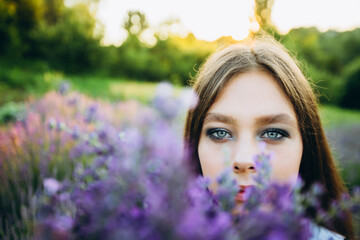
(39,36)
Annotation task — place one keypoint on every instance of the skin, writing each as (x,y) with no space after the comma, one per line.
(250,110)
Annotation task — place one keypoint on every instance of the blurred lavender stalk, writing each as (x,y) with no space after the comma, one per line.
(117,171)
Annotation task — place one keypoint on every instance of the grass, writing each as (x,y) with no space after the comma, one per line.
(105,88)
(116,89)
(16,85)
(119,89)
(332,116)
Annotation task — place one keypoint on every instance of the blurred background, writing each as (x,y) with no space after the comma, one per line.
(101,45)
(112,51)
(116,50)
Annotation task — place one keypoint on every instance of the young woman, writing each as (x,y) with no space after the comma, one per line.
(254,92)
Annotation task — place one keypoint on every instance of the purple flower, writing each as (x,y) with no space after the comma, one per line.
(91,113)
(64,88)
(126,177)
(51,185)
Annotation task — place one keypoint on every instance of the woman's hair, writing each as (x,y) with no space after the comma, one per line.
(317,164)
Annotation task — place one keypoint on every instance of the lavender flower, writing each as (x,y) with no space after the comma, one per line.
(64,87)
(51,185)
(90,114)
(117,171)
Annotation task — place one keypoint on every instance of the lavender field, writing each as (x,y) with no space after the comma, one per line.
(72,167)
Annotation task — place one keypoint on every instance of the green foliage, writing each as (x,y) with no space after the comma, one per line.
(69,44)
(332,116)
(115,89)
(135,23)
(11,112)
(327,58)
(16,82)
(53,10)
(38,36)
(330,50)
(9,94)
(64,39)
(352,78)
(62,36)
(164,61)
(17,20)
(329,88)
(263,13)
(262,17)
(18,78)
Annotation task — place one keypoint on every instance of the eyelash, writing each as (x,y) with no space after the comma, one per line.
(283,134)
(210,133)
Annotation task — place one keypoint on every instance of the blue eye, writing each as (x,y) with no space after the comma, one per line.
(218,134)
(274,134)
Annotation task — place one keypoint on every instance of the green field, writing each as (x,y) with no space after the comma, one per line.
(331,116)
(114,89)
(120,89)
(107,88)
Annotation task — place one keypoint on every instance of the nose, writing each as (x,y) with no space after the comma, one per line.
(243,156)
(243,167)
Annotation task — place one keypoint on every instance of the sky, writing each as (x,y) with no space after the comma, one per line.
(210,19)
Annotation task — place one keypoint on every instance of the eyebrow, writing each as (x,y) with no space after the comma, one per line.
(261,120)
(276,118)
(218,117)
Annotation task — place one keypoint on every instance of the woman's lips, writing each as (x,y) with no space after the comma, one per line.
(241,195)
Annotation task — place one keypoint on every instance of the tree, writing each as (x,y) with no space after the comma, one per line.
(351,98)
(17,19)
(263,12)
(135,23)
(262,16)
(69,44)
(53,10)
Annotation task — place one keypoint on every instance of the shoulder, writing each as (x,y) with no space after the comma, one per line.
(321,233)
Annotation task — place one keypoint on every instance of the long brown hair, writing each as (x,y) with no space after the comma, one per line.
(317,164)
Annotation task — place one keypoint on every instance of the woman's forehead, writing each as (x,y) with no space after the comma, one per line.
(254,93)
(259,120)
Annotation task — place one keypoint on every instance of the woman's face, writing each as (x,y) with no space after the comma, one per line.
(250,110)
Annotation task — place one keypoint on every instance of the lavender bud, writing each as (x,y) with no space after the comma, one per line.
(51,185)
(64,88)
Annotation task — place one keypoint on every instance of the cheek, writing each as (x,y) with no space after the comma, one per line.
(211,160)
(286,163)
